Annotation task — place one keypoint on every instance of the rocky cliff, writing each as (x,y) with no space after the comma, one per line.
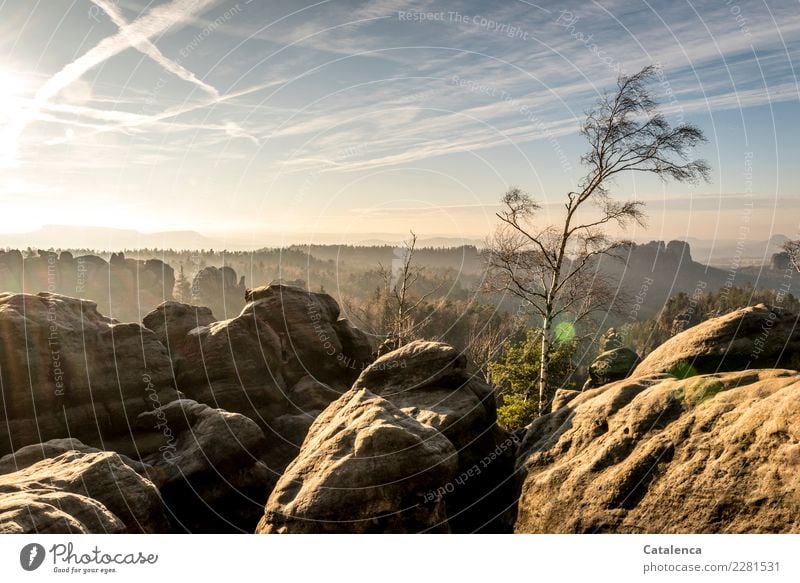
(278,420)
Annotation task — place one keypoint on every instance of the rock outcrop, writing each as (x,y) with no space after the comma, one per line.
(365,467)
(172,321)
(208,470)
(708,454)
(78,492)
(217,288)
(120,287)
(612,365)
(429,384)
(67,370)
(752,337)
(280,362)
(430,381)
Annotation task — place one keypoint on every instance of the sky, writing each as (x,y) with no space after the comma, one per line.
(252,120)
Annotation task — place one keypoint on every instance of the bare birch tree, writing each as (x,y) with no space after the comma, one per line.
(552,268)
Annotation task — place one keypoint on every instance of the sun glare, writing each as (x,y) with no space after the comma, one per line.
(12,88)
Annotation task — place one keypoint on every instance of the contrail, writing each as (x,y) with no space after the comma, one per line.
(155,22)
(142,44)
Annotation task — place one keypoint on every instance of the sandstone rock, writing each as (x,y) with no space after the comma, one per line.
(120,287)
(31,454)
(709,454)
(314,340)
(562,398)
(234,365)
(365,467)
(80,492)
(430,382)
(208,470)
(752,337)
(67,370)
(612,365)
(217,288)
(172,321)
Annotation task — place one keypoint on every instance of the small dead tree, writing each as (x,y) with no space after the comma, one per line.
(552,268)
(400,281)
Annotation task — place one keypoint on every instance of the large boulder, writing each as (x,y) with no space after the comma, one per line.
(431,382)
(66,370)
(281,361)
(79,492)
(314,339)
(208,470)
(172,321)
(217,288)
(34,453)
(709,454)
(365,467)
(612,365)
(752,337)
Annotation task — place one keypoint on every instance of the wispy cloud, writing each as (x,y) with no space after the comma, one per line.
(149,25)
(143,44)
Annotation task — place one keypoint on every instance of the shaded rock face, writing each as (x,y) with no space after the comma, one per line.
(562,397)
(708,454)
(209,473)
(217,288)
(430,381)
(119,287)
(612,365)
(31,454)
(314,340)
(752,337)
(280,362)
(365,467)
(172,321)
(79,492)
(66,370)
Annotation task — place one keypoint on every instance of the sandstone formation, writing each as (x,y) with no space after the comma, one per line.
(365,467)
(217,288)
(430,382)
(208,470)
(79,492)
(66,370)
(280,362)
(123,289)
(612,365)
(172,321)
(31,454)
(709,454)
(751,337)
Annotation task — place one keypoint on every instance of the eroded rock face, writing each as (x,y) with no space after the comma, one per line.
(209,472)
(31,454)
(708,454)
(120,287)
(612,365)
(752,337)
(430,382)
(79,492)
(313,339)
(280,362)
(172,321)
(67,370)
(217,288)
(365,467)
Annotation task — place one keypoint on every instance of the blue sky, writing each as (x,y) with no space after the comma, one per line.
(239,119)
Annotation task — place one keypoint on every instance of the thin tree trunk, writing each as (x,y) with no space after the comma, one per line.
(544,363)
